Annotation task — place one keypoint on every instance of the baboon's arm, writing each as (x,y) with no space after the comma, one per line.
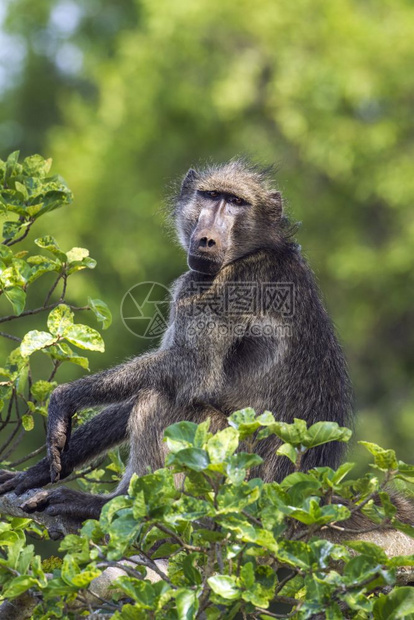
(106,430)
(170,370)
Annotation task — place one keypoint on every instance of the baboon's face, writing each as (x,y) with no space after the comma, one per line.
(211,238)
(225,213)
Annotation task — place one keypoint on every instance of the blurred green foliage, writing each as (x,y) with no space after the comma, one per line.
(227,538)
(126,95)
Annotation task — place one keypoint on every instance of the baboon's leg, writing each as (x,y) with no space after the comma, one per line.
(151,414)
(104,431)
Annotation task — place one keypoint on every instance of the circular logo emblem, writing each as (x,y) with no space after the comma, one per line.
(144,309)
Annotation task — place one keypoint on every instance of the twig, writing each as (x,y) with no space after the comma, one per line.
(56,364)
(12,317)
(4,335)
(56,526)
(9,410)
(65,281)
(251,518)
(54,285)
(146,561)
(10,242)
(203,600)
(16,430)
(16,442)
(259,610)
(284,581)
(177,538)
(130,571)
(28,456)
(347,530)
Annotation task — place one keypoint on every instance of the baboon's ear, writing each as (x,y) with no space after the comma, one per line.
(188,181)
(277,202)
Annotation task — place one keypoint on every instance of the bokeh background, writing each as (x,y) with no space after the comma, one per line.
(125,95)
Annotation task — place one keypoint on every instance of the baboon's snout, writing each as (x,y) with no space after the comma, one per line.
(206,252)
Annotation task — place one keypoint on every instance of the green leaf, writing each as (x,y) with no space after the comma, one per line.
(262,588)
(35,341)
(180,435)
(222,445)
(70,569)
(369,549)
(296,553)
(362,567)
(17,298)
(42,389)
(398,604)
(341,472)
(238,464)
(401,560)
(129,612)
(405,472)
(225,586)
(42,265)
(288,450)
(11,229)
(62,352)
(11,163)
(86,263)
(36,165)
(384,459)
(76,254)
(294,434)
(187,604)
(193,458)
(28,422)
(60,319)
(403,527)
(165,550)
(101,311)
(78,258)
(245,422)
(22,190)
(84,337)
(192,574)
(6,253)
(247,575)
(141,591)
(112,507)
(231,498)
(190,508)
(84,578)
(49,243)
(324,432)
(18,585)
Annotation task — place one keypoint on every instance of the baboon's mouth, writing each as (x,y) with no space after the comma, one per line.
(202,264)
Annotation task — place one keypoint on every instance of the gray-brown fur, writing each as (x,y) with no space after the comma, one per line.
(263,357)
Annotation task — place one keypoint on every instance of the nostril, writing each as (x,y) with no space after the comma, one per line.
(211,243)
(203,242)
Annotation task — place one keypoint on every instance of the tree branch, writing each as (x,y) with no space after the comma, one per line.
(57,527)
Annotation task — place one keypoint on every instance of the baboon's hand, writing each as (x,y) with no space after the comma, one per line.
(19,482)
(58,436)
(65,502)
(59,426)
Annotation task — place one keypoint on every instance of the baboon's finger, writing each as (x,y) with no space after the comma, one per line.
(37,502)
(5,475)
(9,485)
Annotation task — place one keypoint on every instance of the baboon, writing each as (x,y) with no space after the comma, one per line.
(247,328)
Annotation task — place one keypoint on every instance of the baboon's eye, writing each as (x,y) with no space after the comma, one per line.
(213,194)
(237,201)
